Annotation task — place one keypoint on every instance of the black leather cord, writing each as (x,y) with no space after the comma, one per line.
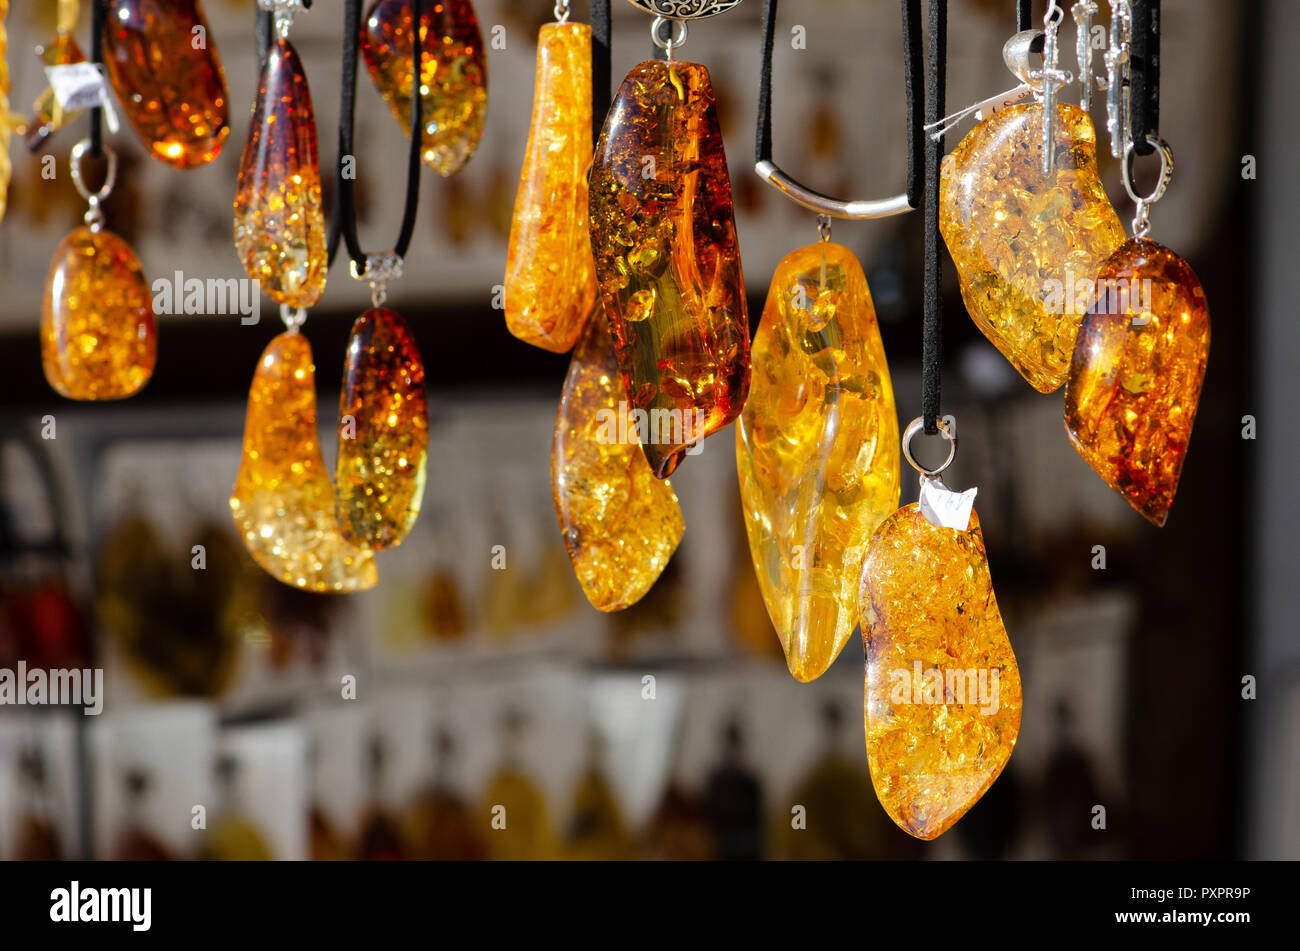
(1144,91)
(931,339)
(1024,15)
(601,78)
(97,56)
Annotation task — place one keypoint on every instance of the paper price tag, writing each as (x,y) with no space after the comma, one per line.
(79,86)
(943,507)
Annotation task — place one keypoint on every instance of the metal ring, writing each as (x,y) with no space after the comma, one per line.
(1166,170)
(948,432)
(292,317)
(670,43)
(78,152)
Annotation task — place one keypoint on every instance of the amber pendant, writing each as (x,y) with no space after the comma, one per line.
(173,93)
(99,336)
(1027,244)
(1137,371)
(942,691)
(283,502)
(620,523)
(453,74)
(383,432)
(667,260)
(279,225)
(550,280)
(816,450)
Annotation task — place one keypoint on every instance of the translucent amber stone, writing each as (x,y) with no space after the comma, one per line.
(942,691)
(98,333)
(1027,245)
(550,281)
(1136,377)
(453,74)
(667,260)
(817,450)
(279,225)
(620,523)
(283,502)
(173,93)
(382,454)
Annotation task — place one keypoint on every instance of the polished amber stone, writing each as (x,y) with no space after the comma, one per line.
(942,690)
(381,466)
(620,523)
(1027,245)
(6,167)
(817,450)
(1136,377)
(453,74)
(667,260)
(550,280)
(279,225)
(99,337)
(173,94)
(283,502)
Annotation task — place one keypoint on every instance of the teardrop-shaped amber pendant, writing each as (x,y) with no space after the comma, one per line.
(816,450)
(1136,377)
(453,74)
(383,432)
(1027,245)
(283,502)
(942,690)
(99,336)
(620,523)
(164,67)
(279,225)
(550,279)
(667,260)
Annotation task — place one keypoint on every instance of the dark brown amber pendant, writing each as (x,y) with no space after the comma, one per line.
(667,259)
(164,68)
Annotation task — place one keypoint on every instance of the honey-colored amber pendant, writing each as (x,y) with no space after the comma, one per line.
(453,74)
(283,502)
(383,432)
(620,523)
(550,280)
(1136,377)
(165,70)
(279,225)
(1027,244)
(667,259)
(99,336)
(942,691)
(816,450)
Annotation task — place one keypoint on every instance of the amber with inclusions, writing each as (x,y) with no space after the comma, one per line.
(381,466)
(817,450)
(283,501)
(173,93)
(667,259)
(453,74)
(942,690)
(279,225)
(620,523)
(550,280)
(1027,245)
(1136,377)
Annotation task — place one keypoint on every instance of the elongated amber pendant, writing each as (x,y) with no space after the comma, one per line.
(816,450)
(453,74)
(942,690)
(1136,377)
(383,432)
(667,260)
(620,523)
(550,280)
(283,502)
(279,225)
(164,67)
(1027,245)
(99,336)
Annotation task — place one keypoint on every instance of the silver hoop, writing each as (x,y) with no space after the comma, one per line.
(671,43)
(684,9)
(292,317)
(918,425)
(1141,223)
(78,152)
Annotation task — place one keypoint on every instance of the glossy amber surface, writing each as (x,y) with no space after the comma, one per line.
(1136,377)
(6,167)
(817,450)
(667,259)
(942,691)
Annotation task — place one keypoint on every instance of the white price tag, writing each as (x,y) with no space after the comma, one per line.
(80,86)
(943,507)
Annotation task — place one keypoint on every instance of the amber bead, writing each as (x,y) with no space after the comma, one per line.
(667,259)
(817,450)
(1136,377)
(98,332)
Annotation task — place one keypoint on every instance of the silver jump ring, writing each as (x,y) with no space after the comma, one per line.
(110,177)
(918,425)
(672,43)
(293,317)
